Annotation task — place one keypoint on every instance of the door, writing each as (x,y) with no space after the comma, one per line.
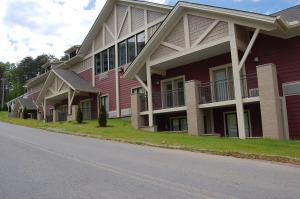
(179,124)
(220,87)
(179,92)
(167,95)
(86,110)
(232,125)
(104,102)
(223,84)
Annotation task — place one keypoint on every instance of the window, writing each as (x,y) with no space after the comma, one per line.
(104,102)
(122,53)
(179,124)
(138,90)
(112,58)
(140,42)
(130,48)
(105,60)
(86,109)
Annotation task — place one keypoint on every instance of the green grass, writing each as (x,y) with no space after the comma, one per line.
(121,130)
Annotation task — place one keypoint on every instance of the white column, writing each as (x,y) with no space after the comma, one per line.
(237,81)
(45,109)
(117,77)
(93,64)
(149,84)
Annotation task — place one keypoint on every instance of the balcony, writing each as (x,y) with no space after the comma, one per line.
(219,91)
(164,100)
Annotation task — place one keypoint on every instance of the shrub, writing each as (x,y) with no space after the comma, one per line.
(79,116)
(25,113)
(102,118)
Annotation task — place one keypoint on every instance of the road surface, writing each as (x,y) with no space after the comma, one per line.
(36,164)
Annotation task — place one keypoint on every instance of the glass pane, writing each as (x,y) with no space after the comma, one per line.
(104,61)
(175,125)
(111,58)
(179,92)
(97,63)
(183,124)
(131,49)
(122,53)
(220,85)
(140,42)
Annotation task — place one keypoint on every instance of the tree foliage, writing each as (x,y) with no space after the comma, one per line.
(16,75)
(79,116)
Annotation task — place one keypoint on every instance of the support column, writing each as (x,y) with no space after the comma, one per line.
(45,109)
(136,119)
(150,105)
(55,115)
(270,107)
(237,81)
(195,117)
(117,77)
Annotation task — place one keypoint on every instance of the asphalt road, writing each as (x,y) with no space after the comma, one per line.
(37,164)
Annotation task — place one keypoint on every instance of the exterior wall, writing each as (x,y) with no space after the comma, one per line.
(106,85)
(255,118)
(87,75)
(194,71)
(293,111)
(284,53)
(125,92)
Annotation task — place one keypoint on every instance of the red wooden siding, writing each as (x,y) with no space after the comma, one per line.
(293,110)
(87,75)
(125,92)
(107,86)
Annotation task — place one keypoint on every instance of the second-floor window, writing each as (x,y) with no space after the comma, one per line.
(130,48)
(105,60)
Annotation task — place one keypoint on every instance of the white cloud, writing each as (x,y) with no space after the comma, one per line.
(33,27)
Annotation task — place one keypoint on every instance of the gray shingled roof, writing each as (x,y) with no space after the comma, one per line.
(28,103)
(290,14)
(75,80)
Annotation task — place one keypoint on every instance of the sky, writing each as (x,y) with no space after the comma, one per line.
(34,27)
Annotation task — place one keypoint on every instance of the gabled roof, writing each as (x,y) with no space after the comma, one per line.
(272,24)
(74,80)
(105,12)
(28,103)
(290,14)
(72,48)
(70,78)
(36,80)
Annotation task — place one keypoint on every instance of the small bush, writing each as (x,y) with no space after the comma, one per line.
(102,118)
(25,113)
(79,116)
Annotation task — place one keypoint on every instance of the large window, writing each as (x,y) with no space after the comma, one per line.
(130,48)
(105,60)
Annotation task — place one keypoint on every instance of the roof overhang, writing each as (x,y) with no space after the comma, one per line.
(36,80)
(267,24)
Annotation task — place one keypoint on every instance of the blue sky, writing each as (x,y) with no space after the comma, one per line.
(33,27)
(260,6)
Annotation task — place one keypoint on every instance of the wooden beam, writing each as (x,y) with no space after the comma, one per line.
(186,31)
(123,22)
(158,72)
(248,50)
(142,83)
(172,46)
(206,32)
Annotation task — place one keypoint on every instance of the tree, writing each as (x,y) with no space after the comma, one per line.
(25,113)
(79,116)
(102,118)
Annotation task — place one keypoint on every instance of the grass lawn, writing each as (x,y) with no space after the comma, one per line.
(121,130)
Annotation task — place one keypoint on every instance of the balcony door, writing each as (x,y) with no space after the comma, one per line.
(222,83)
(173,93)
(232,125)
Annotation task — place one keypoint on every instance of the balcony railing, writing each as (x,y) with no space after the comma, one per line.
(164,100)
(219,91)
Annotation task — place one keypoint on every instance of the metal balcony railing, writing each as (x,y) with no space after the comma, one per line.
(219,91)
(164,100)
